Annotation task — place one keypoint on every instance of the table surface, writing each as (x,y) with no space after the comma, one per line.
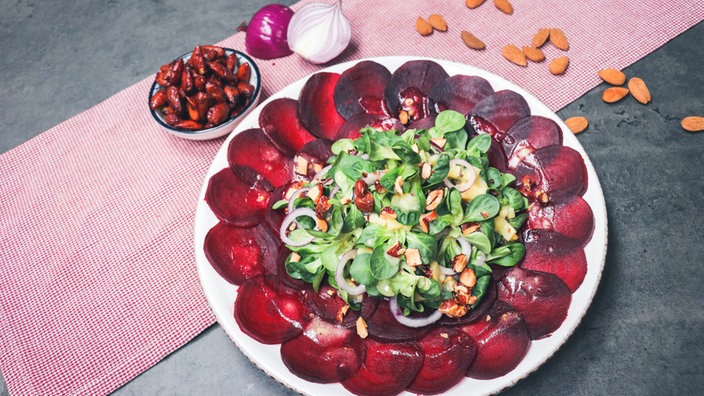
(643,333)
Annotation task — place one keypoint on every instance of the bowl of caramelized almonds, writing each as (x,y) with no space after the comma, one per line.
(205,93)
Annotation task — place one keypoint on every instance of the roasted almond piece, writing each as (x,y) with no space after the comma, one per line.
(558,39)
(693,124)
(472,41)
(540,37)
(504,6)
(423,27)
(534,54)
(437,22)
(612,76)
(559,65)
(577,124)
(514,55)
(639,90)
(473,3)
(614,94)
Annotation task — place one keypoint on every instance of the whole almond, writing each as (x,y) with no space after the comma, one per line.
(577,124)
(514,55)
(693,124)
(612,76)
(437,22)
(540,37)
(639,90)
(559,65)
(504,6)
(614,94)
(473,3)
(472,41)
(534,54)
(558,39)
(423,27)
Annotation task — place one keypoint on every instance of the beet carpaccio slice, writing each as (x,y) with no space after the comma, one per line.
(317,331)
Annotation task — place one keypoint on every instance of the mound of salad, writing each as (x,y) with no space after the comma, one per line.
(415,217)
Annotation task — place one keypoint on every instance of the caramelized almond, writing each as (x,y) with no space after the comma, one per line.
(614,94)
(473,3)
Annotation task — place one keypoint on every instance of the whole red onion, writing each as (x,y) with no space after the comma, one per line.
(266,32)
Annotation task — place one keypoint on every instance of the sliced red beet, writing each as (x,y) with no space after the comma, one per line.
(552,174)
(312,157)
(572,217)
(423,123)
(552,252)
(316,105)
(409,86)
(502,342)
(273,218)
(529,134)
(540,297)
(476,313)
(360,89)
(252,155)
(496,157)
(350,129)
(502,109)
(323,353)
(241,253)
(460,93)
(268,311)
(235,201)
(387,368)
(279,121)
(384,327)
(447,353)
(328,304)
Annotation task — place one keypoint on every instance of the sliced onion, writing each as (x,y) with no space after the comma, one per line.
(324,171)
(447,271)
(470,180)
(334,191)
(339,275)
(481,258)
(290,218)
(466,247)
(412,322)
(295,195)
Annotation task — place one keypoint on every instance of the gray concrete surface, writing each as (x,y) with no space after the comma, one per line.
(643,334)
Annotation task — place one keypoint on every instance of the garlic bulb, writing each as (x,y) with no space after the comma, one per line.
(319,32)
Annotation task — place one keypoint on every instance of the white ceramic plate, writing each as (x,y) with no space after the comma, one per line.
(221,294)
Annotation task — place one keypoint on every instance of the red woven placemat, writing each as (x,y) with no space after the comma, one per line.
(96,234)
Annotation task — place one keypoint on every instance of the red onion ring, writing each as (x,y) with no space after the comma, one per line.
(467,184)
(340,279)
(412,322)
(290,218)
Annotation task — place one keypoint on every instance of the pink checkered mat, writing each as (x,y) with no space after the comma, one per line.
(97,273)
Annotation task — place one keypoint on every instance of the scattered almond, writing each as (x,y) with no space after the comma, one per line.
(614,94)
(423,27)
(612,76)
(437,22)
(504,6)
(558,39)
(472,41)
(559,65)
(577,124)
(534,54)
(693,124)
(540,37)
(473,3)
(639,90)
(514,55)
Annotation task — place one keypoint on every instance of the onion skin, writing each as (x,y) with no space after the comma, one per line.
(266,32)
